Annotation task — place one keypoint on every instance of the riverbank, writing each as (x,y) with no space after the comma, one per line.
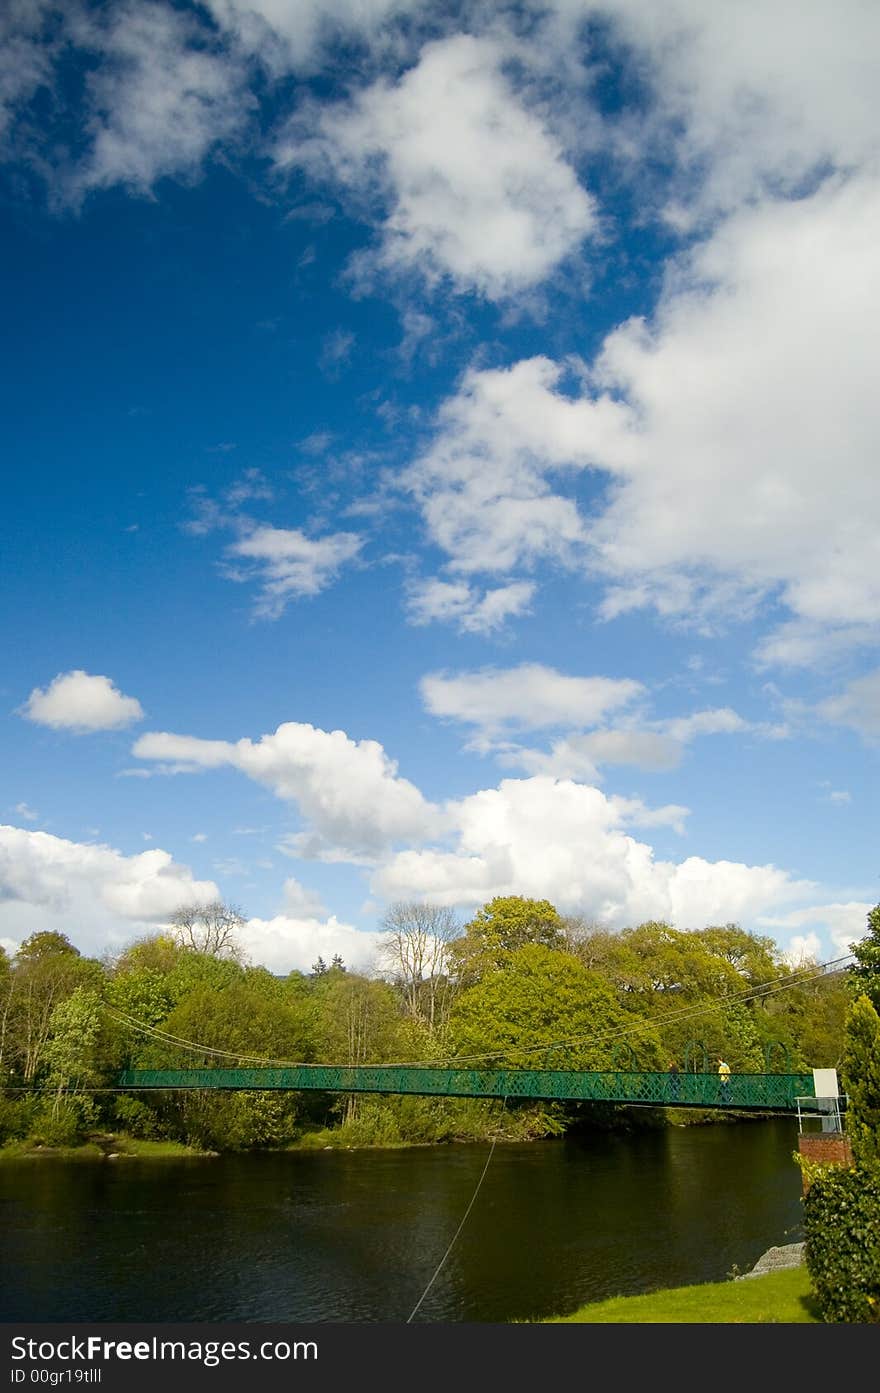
(782,1297)
(109,1147)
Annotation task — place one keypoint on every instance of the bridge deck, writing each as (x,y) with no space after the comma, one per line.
(772,1092)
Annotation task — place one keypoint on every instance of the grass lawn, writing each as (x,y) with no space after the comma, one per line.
(779,1298)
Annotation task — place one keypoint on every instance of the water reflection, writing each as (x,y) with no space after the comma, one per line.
(356,1236)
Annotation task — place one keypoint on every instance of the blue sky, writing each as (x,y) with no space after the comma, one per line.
(439,462)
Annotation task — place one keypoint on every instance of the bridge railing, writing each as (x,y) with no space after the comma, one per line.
(776,1092)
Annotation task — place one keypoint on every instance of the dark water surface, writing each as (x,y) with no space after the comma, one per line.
(355,1236)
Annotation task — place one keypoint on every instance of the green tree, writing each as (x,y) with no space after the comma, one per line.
(498,929)
(355,1021)
(46,969)
(865,971)
(71,1054)
(7,985)
(543,998)
(860,1071)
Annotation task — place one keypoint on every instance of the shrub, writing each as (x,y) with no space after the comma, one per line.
(16,1118)
(136,1118)
(842,1234)
(63,1123)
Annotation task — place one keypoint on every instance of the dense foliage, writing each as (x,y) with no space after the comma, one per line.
(518,985)
(842,1203)
(842,1228)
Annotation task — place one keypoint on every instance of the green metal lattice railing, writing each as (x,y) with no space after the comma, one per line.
(774,1092)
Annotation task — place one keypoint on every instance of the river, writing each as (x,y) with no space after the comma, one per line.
(355,1236)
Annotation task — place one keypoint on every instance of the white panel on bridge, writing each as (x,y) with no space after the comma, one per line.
(825,1083)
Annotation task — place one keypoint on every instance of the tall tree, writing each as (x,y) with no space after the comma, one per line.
(506,923)
(7,984)
(865,971)
(47,969)
(542,998)
(209,928)
(72,1049)
(415,950)
(861,1079)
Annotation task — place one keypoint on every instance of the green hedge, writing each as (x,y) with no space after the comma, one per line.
(842,1234)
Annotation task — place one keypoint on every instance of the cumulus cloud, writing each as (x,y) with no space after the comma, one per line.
(579,756)
(91,892)
(857,706)
(530,696)
(749,383)
(288,943)
(290,564)
(715,426)
(25,57)
(161,97)
(483,484)
(349,792)
(750,98)
(843,921)
(558,839)
(457,602)
(476,190)
(80,702)
(291,37)
(499,701)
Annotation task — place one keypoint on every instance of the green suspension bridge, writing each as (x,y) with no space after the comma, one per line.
(695,1086)
(772,1092)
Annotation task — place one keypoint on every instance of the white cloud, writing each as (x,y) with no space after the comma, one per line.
(737,430)
(292,565)
(565,841)
(802,643)
(289,36)
(579,756)
(93,893)
(477,190)
(25,56)
(634,812)
(348,791)
(654,745)
(80,702)
(750,383)
(291,942)
(534,697)
(483,486)
(857,706)
(161,97)
(753,96)
(530,696)
(719,720)
(299,900)
(28,813)
(843,922)
(462,604)
(803,949)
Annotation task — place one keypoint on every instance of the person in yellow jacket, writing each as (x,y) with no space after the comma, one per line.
(724,1078)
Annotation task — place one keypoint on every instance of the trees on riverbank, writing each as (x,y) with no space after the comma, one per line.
(516,985)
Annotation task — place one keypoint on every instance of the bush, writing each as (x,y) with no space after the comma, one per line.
(16,1118)
(842,1234)
(134,1116)
(65,1123)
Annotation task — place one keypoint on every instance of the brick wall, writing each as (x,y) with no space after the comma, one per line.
(825,1149)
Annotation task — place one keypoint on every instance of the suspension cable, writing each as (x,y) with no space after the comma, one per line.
(454,1239)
